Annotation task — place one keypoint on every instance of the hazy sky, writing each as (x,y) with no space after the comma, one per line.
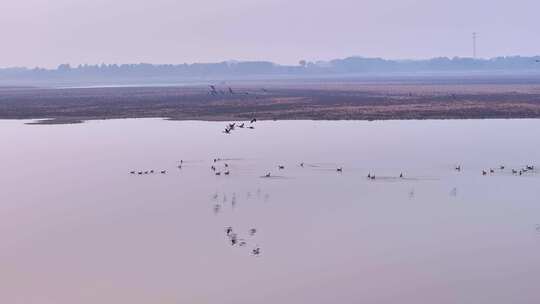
(50,32)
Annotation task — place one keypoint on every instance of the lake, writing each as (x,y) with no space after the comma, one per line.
(77,227)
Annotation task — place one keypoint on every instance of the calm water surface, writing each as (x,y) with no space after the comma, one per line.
(77,227)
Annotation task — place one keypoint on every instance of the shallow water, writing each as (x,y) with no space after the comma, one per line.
(77,227)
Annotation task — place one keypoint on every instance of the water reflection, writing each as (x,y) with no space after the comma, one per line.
(65,231)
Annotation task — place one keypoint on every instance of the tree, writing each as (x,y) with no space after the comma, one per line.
(64,67)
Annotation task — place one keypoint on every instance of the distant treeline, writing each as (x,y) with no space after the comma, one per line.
(237,69)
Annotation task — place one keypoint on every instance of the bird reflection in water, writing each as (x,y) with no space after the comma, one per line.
(411,193)
(233,200)
(217,208)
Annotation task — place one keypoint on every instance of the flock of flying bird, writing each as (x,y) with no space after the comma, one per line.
(234,238)
(230,127)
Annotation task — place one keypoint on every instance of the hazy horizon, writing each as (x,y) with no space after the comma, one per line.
(48,33)
(262,60)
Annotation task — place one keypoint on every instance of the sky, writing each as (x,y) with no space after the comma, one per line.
(50,32)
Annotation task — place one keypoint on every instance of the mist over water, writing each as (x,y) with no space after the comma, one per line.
(77,227)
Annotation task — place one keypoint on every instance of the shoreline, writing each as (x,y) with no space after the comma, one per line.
(293,101)
(69,121)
